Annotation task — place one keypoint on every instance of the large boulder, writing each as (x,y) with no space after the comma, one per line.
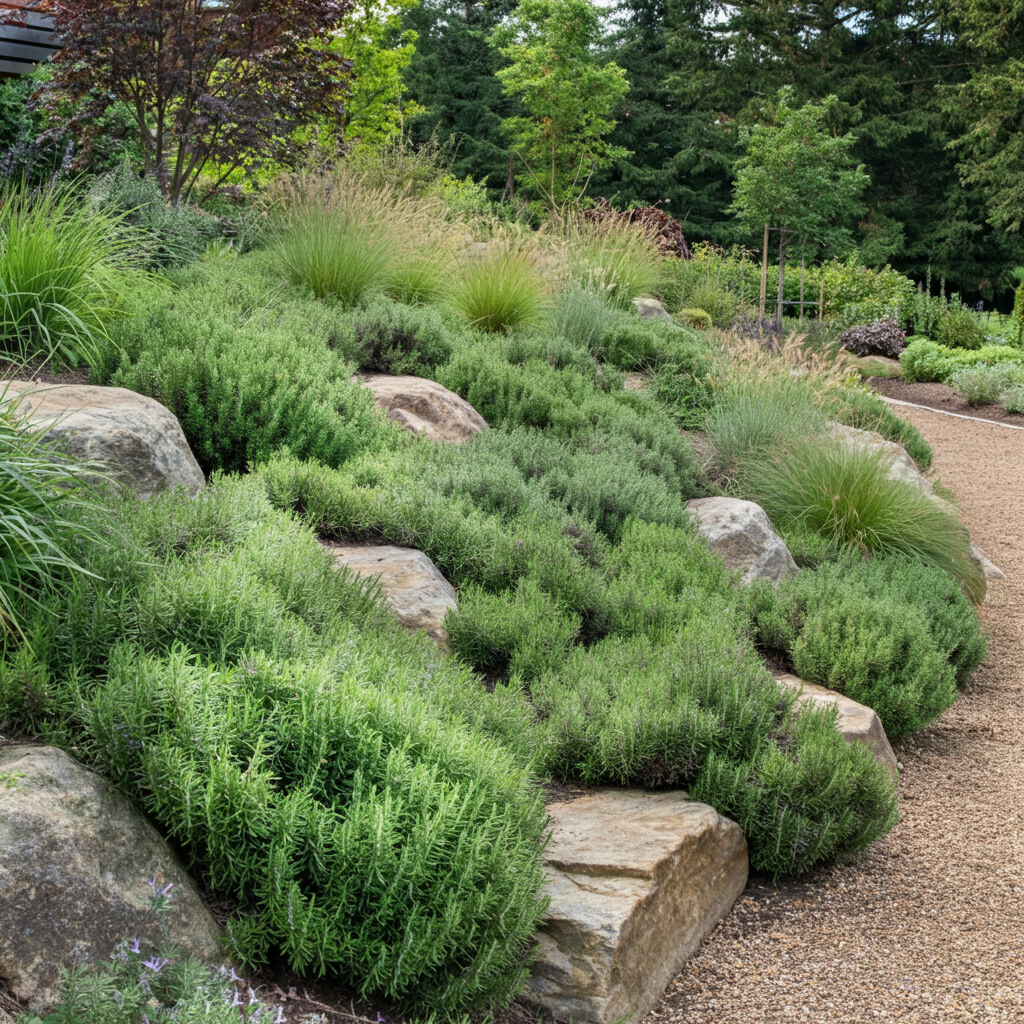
(413,586)
(75,863)
(900,465)
(857,723)
(136,437)
(743,535)
(636,881)
(424,407)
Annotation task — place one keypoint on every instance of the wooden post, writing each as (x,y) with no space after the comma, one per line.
(782,277)
(821,302)
(764,275)
(801,290)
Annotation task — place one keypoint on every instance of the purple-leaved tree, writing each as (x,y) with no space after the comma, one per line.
(220,81)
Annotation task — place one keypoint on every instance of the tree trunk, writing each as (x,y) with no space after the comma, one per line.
(510,181)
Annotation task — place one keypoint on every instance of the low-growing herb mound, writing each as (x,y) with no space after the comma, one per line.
(329,771)
(925,360)
(890,632)
(569,405)
(247,370)
(695,710)
(625,645)
(399,339)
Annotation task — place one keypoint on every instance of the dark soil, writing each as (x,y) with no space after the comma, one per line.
(942,397)
(44,374)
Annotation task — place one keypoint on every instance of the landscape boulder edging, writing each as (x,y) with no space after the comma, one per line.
(75,863)
(857,723)
(741,532)
(139,439)
(424,407)
(414,588)
(636,880)
(903,467)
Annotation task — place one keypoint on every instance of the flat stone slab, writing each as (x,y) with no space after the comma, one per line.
(636,881)
(75,860)
(741,532)
(139,439)
(424,407)
(414,587)
(857,723)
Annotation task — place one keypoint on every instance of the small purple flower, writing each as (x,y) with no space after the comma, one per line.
(156,963)
(134,947)
(237,1001)
(380,1019)
(158,889)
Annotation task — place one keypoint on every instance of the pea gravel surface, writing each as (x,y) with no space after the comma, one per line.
(928,925)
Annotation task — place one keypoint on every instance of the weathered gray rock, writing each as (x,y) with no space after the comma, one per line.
(857,723)
(982,561)
(75,860)
(903,467)
(6,1018)
(636,881)
(424,407)
(414,587)
(651,309)
(743,535)
(138,438)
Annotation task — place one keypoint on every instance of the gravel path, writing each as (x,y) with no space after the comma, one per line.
(929,924)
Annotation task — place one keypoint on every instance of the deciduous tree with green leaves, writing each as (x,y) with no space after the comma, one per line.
(798,176)
(374,40)
(567,92)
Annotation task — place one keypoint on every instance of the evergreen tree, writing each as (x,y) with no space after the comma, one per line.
(452,75)
(682,152)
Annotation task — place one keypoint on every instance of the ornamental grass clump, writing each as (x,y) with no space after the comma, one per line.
(844,493)
(40,492)
(501,291)
(617,259)
(340,238)
(753,418)
(62,271)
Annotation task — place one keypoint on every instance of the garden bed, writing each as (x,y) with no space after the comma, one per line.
(942,397)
